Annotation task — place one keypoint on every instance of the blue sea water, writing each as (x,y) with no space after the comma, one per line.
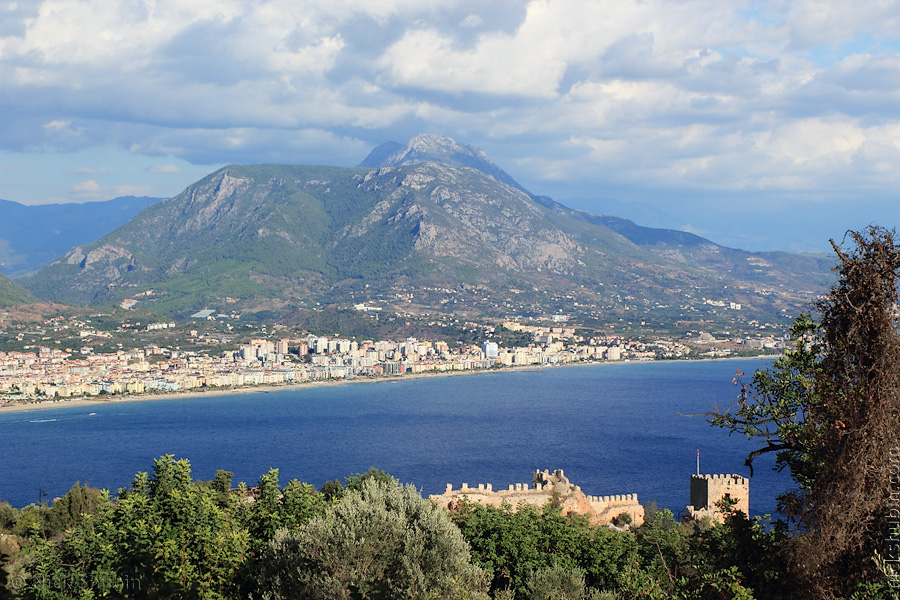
(613,428)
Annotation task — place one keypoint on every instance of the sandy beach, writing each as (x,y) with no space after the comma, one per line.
(10,407)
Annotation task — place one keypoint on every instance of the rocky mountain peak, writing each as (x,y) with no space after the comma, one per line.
(438,149)
(429,144)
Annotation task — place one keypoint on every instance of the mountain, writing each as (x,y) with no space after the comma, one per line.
(12,294)
(271,233)
(438,149)
(419,237)
(33,236)
(806,271)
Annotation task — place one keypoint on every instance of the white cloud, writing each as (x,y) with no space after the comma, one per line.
(811,140)
(86,187)
(793,96)
(472,21)
(816,23)
(57,125)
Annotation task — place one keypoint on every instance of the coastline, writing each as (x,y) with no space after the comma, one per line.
(264,389)
(430,432)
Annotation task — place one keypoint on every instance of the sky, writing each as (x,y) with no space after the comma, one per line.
(759,124)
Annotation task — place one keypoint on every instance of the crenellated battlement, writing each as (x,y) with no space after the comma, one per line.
(707,491)
(626,498)
(546,486)
(719,477)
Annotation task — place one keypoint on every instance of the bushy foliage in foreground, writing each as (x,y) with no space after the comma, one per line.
(380,540)
(512,545)
(528,551)
(170,536)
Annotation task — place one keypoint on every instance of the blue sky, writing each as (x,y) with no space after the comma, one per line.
(761,125)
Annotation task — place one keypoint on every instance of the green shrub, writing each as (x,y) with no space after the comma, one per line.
(381,540)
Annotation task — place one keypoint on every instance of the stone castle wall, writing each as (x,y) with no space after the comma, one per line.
(546,487)
(707,490)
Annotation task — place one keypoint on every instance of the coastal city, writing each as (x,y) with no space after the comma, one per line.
(469,300)
(45,372)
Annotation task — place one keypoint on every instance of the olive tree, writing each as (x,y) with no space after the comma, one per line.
(381,540)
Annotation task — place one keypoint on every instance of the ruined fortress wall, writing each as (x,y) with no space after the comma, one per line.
(546,488)
(484,494)
(608,508)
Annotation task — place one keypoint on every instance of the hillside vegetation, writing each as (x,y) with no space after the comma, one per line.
(12,294)
(278,238)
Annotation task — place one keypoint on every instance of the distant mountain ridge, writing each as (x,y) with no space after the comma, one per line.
(33,236)
(685,247)
(650,236)
(437,229)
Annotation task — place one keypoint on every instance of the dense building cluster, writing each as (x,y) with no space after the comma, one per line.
(54,373)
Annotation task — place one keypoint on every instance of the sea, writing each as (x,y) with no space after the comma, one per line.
(618,428)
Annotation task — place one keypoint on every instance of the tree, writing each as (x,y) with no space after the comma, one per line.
(168,536)
(558,583)
(265,512)
(381,540)
(83,564)
(276,508)
(356,481)
(8,517)
(513,544)
(300,502)
(222,482)
(173,536)
(68,511)
(332,490)
(829,410)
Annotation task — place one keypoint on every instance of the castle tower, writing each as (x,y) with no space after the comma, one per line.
(708,490)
